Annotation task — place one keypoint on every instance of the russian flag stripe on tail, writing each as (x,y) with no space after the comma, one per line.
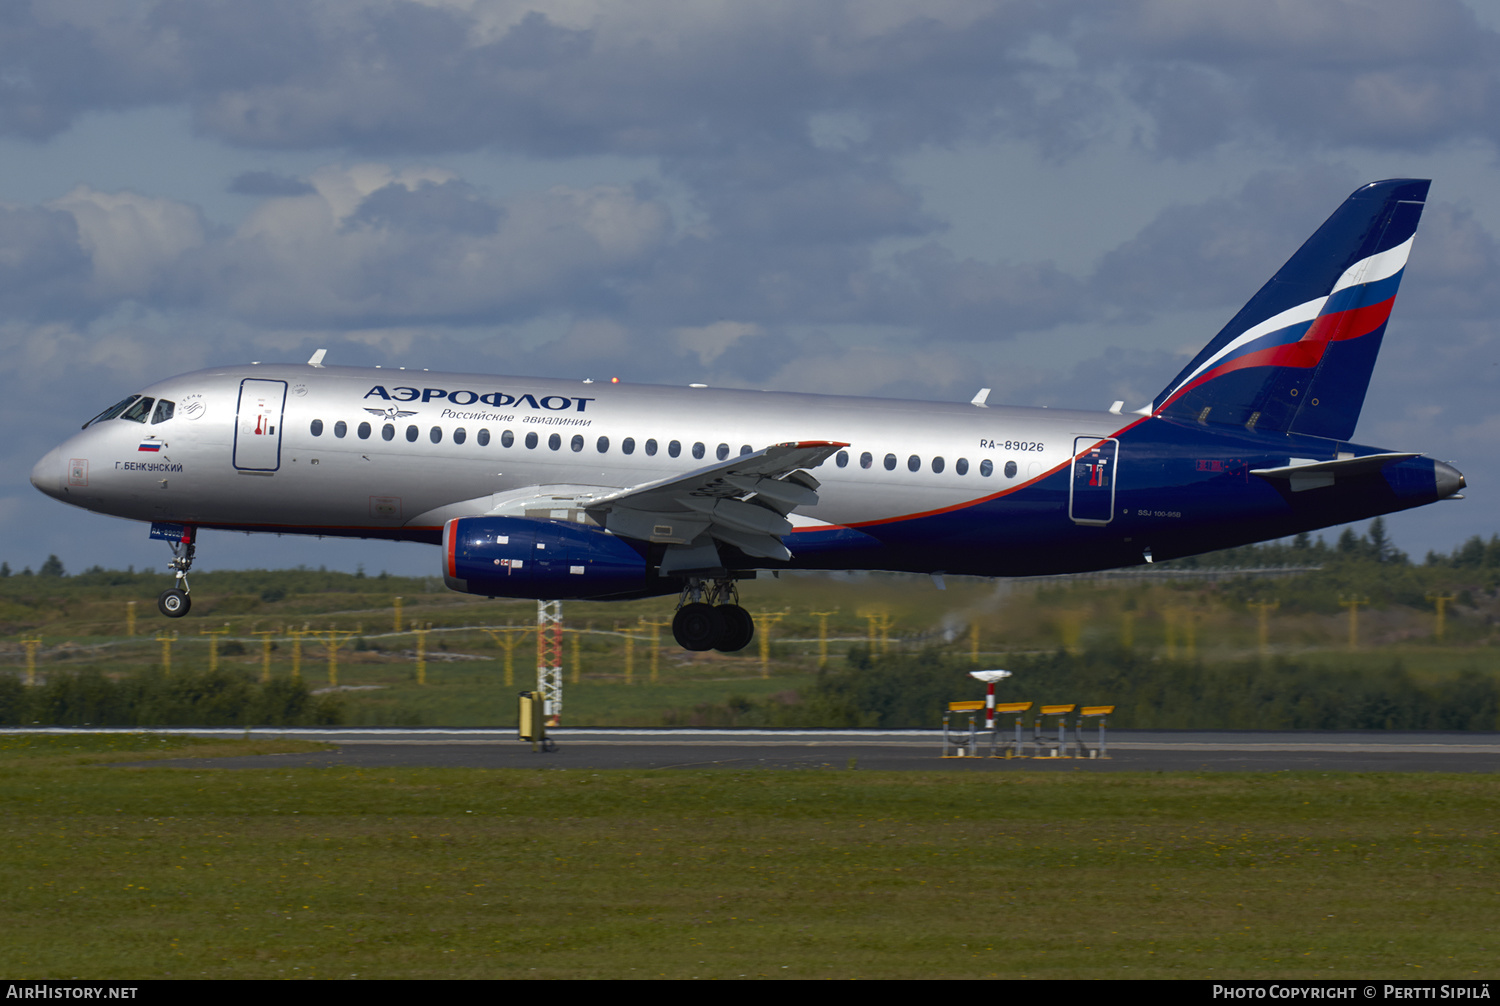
(1299,355)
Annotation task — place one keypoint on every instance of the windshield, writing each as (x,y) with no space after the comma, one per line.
(111,412)
(138,412)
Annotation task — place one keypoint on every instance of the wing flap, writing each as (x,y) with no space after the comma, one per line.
(742,502)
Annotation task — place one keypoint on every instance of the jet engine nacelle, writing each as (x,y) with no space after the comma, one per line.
(545,559)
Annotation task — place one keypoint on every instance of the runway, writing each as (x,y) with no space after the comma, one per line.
(899,750)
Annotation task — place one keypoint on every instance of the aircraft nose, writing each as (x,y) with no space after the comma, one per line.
(1449,479)
(47,474)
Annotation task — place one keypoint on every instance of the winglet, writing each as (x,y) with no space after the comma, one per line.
(981,398)
(317,359)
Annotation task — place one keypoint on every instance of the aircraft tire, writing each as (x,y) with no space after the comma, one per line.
(739,628)
(174,603)
(696,626)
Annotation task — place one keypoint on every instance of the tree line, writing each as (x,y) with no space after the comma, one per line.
(912,690)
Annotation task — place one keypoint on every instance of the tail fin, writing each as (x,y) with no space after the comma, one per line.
(1298,357)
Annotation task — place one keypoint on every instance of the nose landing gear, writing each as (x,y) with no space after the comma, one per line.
(175,602)
(710,618)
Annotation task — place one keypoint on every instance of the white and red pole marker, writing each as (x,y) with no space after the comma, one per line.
(989,678)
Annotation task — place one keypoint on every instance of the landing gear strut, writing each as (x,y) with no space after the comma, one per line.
(175,602)
(709,617)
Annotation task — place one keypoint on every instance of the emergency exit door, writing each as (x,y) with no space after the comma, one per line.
(1091,496)
(257,425)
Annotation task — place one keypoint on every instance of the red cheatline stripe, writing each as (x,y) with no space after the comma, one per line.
(983,499)
(1307,351)
(1350,324)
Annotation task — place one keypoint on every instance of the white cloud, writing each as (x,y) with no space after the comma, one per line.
(133,240)
(708,342)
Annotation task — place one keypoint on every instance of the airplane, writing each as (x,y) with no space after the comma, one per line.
(553,489)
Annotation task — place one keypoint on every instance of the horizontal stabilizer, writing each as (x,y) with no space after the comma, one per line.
(1309,474)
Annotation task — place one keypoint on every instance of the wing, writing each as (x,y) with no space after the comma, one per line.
(742,502)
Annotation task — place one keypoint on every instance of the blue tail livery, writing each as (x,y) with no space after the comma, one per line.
(548,488)
(1298,357)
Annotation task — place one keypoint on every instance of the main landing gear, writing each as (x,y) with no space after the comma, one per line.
(175,602)
(710,618)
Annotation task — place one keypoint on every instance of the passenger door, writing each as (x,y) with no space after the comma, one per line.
(257,426)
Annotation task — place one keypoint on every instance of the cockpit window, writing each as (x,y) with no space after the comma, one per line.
(111,412)
(138,412)
(164,410)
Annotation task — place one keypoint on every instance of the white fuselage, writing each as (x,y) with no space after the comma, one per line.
(394,453)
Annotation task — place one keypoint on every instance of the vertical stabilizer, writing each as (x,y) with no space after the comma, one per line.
(1298,357)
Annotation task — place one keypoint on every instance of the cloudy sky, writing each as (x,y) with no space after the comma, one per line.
(1060,200)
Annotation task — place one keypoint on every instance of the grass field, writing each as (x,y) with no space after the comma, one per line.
(149,872)
(480,701)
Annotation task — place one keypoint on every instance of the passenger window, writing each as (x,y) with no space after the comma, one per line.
(554,442)
(723,451)
(138,412)
(531,441)
(866,459)
(627,446)
(890,462)
(164,411)
(341,429)
(651,448)
(1010,469)
(698,451)
(435,434)
(745,449)
(961,466)
(913,464)
(937,465)
(842,459)
(459,436)
(364,431)
(388,432)
(317,427)
(411,434)
(674,449)
(602,445)
(507,438)
(577,443)
(986,468)
(484,437)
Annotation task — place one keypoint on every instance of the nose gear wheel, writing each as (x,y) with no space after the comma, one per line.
(174,603)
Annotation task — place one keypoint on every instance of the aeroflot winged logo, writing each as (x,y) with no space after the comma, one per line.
(496,399)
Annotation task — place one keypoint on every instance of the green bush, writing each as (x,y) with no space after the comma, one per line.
(151,698)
